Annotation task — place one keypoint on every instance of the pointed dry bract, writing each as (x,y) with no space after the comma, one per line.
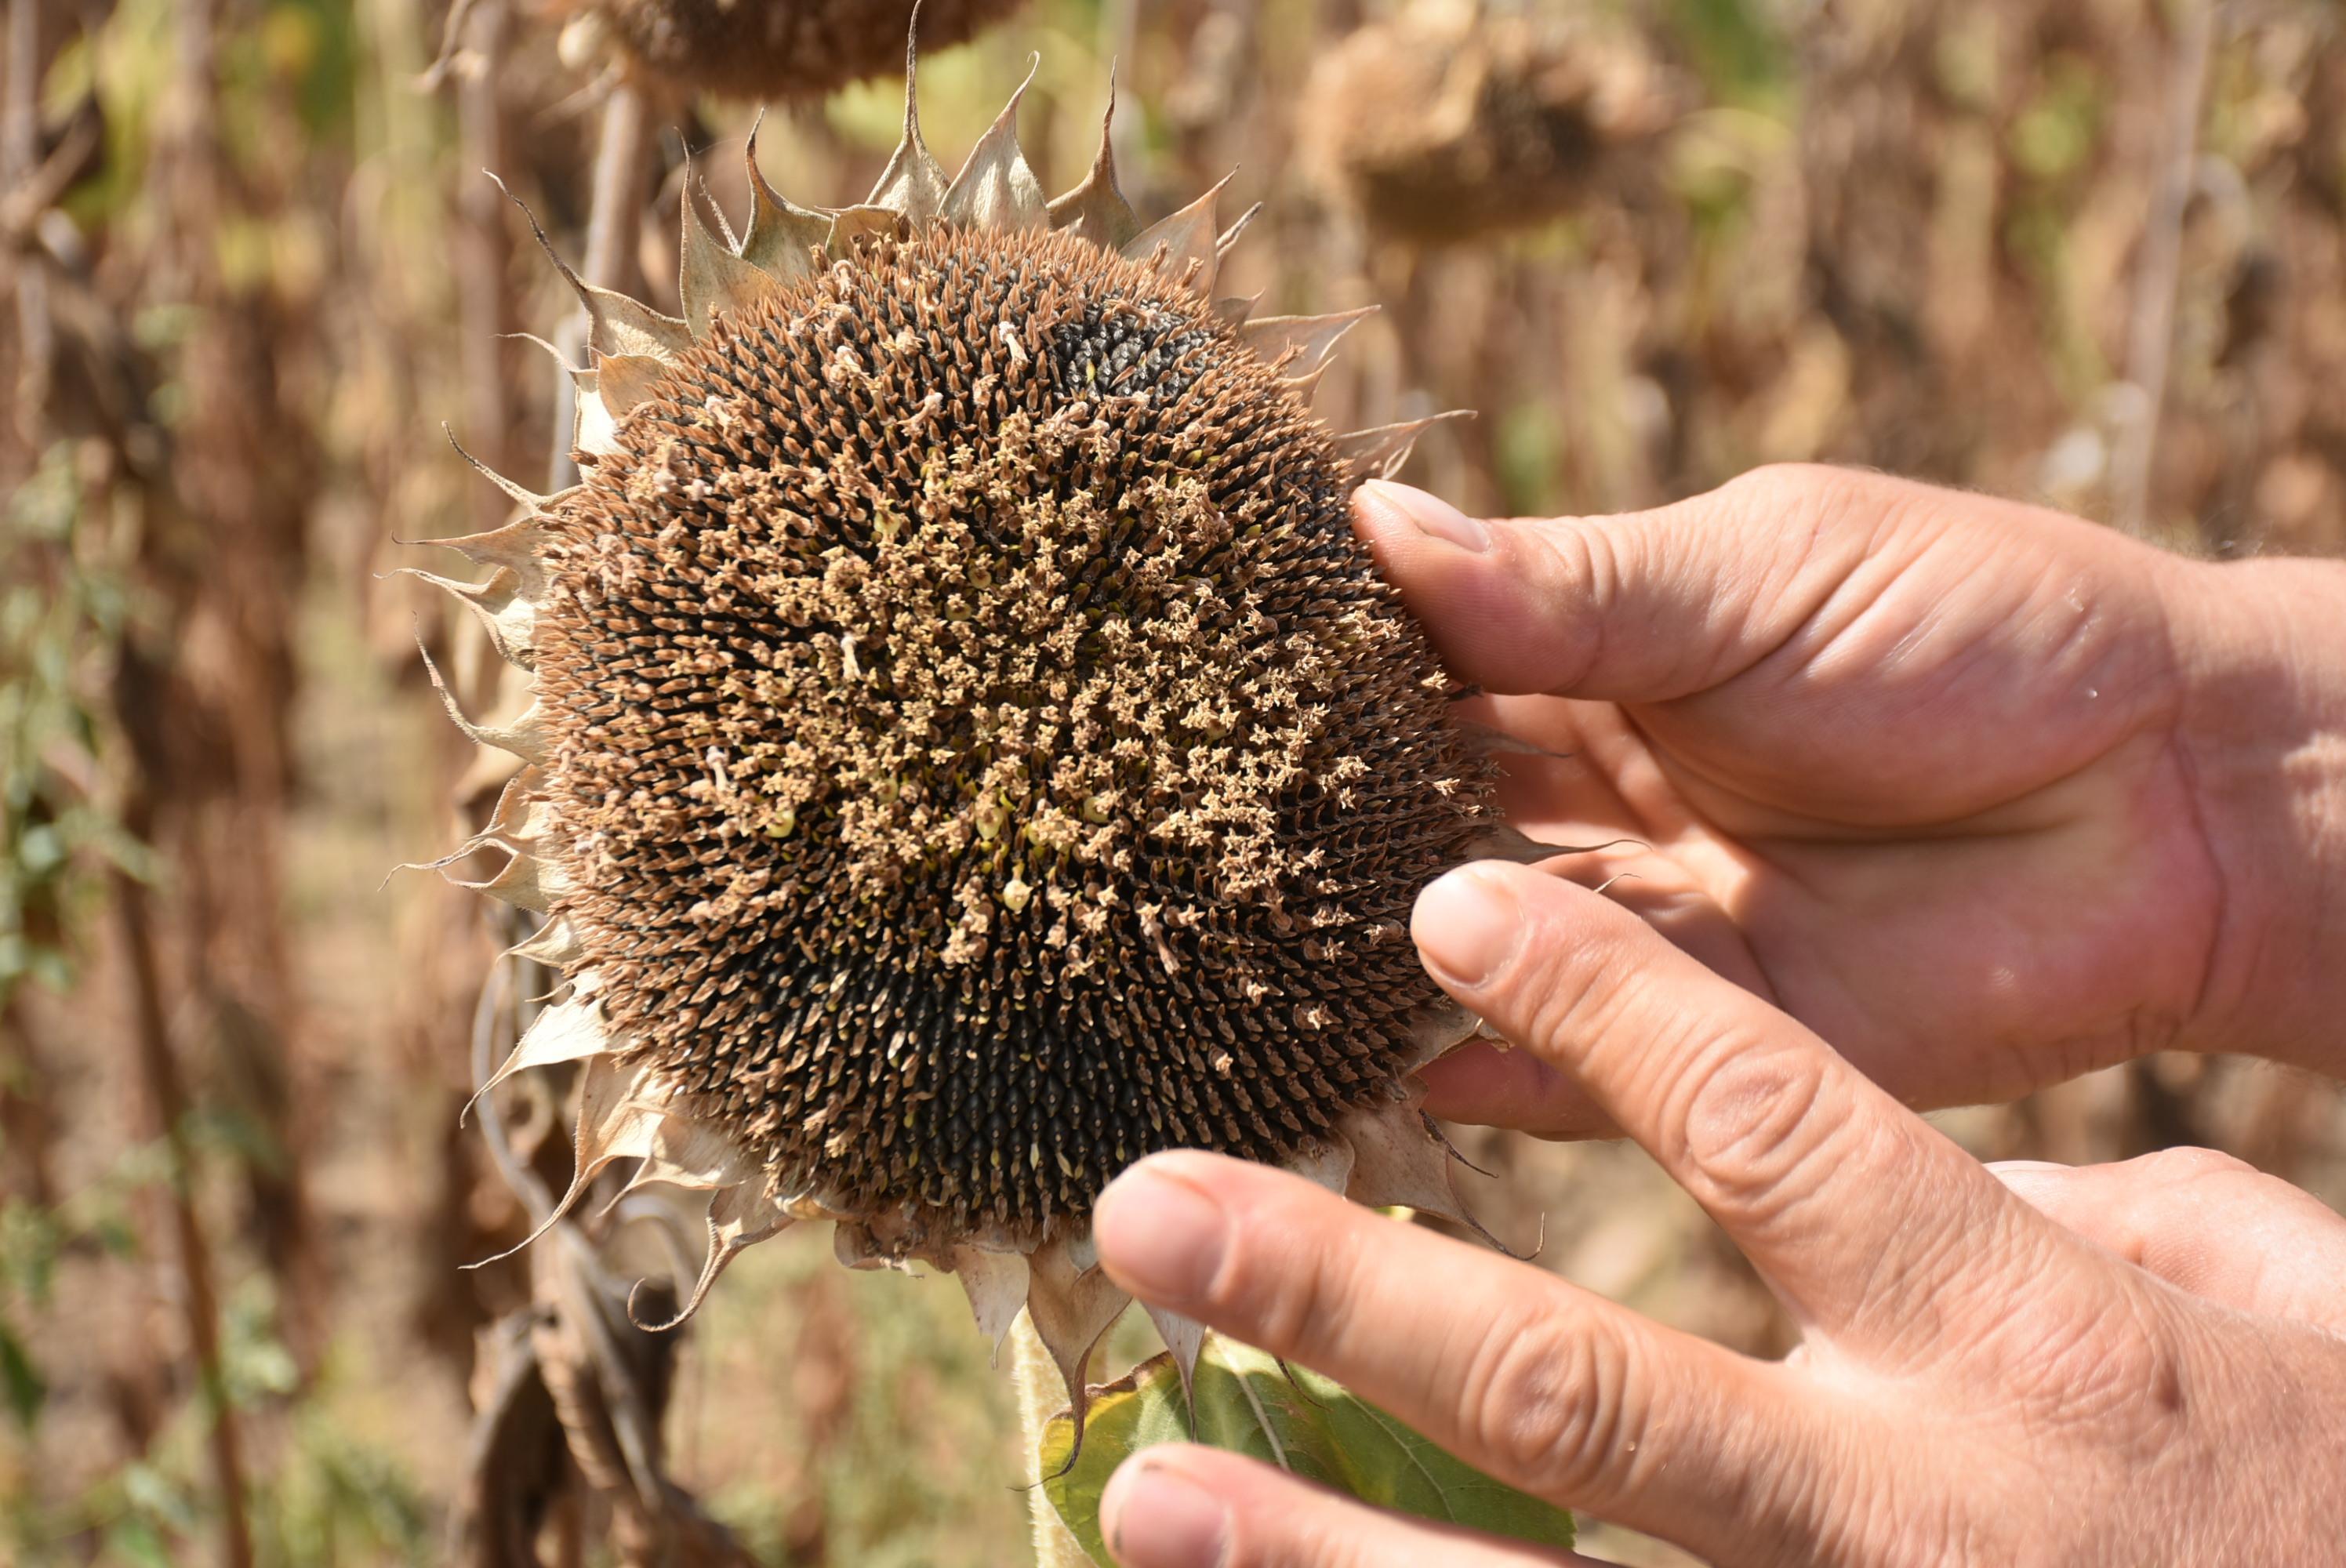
(570,1032)
(782,236)
(1185,247)
(1071,1307)
(997,1284)
(624,381)
(1184,1338)
(1096,211)
(995,190)
(713,281)
(497,604)
(1300,345)
(912,183)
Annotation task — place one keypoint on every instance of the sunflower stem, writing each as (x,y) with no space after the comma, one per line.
(622,163)
(184,1245)
(2151,330)
(1041,1393)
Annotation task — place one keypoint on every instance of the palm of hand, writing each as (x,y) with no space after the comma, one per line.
(1933,798)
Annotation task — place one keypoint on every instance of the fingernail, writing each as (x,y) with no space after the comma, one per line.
(1158,1518)
(1159,1235)
(1466,925)
(1432,515)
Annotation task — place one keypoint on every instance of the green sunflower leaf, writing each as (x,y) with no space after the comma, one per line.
(1308,1424)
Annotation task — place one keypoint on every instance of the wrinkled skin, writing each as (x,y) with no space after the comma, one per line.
(1940,799)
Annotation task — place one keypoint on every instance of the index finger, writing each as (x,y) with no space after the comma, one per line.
(1859,1214)
(1546,1386)
(1711,584)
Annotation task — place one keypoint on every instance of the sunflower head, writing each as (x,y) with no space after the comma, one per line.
(1514,118)
(970,750)
(768,49)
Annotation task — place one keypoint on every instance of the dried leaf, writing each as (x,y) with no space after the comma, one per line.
(1185,245)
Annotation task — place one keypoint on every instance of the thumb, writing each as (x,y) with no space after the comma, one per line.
(1178,1505)
(1644,607)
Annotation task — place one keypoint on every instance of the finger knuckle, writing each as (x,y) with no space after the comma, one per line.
(2101,1367)
(1805,505)
(1585,557)
(1559,986)
(2180,1167)
(1754,1122)
(1775,481)
(1791,490)
(1550,1400)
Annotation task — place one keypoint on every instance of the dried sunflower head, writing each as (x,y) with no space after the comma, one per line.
(769,50)
(1445,122)
(970,750)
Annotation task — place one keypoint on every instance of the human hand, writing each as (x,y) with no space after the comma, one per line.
(1987,796)
(2138,1364)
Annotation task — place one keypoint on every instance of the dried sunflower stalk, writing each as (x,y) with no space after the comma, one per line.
(970,750)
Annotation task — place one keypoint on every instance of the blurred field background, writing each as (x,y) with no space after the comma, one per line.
(2090,251)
